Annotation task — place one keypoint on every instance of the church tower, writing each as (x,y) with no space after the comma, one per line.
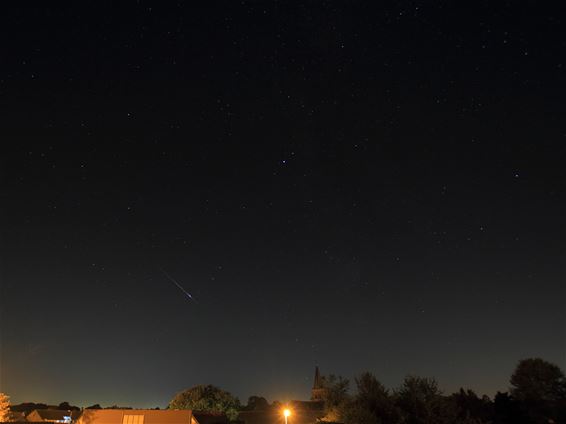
(318,392)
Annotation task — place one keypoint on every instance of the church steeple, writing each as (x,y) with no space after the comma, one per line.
(318,391)
(317,383)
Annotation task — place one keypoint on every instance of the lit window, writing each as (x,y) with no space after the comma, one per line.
(132,419)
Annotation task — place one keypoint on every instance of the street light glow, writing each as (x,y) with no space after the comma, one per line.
(286,412)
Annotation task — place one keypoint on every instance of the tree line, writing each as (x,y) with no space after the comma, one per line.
(537,395)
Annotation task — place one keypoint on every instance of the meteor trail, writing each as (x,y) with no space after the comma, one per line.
(178,285)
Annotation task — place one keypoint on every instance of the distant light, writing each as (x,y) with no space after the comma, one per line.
(287,412)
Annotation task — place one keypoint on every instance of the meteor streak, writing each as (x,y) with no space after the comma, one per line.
(178,285)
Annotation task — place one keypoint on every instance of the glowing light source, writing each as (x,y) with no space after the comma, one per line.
(286,414)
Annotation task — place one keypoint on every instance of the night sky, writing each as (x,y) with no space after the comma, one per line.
(359,185)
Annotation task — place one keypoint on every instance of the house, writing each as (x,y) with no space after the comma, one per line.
(16,417)
(142,416)
(52,416)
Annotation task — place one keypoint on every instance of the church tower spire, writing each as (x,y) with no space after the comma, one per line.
(318,391)
(317,383)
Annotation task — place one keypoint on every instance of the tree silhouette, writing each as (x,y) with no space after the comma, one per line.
(371,404)
(506,409)
(257,403)
(207,398)
(472,407)
(538,380)
(335,395)
(4,407)
(540,388)
(67,406)
(421,402)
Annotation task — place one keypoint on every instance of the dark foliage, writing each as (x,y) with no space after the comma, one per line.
(371,404)
(28,407)
(68,407)
(537,396)
(506,409)
(421,402)
(538,380)
(471,407)
(539,390)
(256,403)
(207,398)
(335,396)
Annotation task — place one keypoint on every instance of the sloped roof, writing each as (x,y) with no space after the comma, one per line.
(54,414)
(150,416)
(16,416)
(210,417)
